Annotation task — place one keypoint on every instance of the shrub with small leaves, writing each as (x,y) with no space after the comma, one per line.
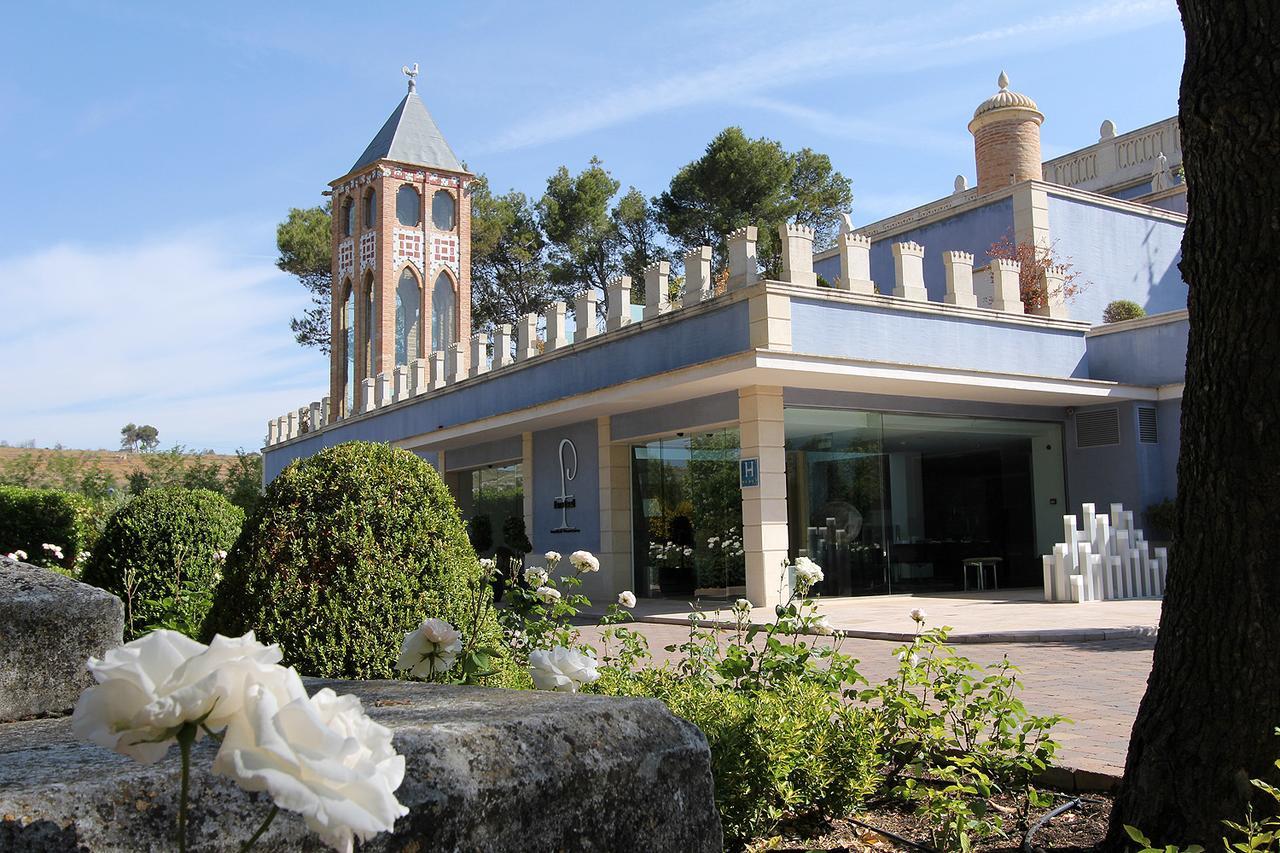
(1122,309)
(349,550)
(162,554)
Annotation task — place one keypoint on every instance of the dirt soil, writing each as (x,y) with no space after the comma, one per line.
(1078,830)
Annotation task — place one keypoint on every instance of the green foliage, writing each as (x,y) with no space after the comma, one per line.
(574,215)
(480,534)
(514,535)
(790,751)
(508,258)
(349,550)
(32,518)
(740,181)
(162,554)
(635,221)
(1122,309)
(304,241)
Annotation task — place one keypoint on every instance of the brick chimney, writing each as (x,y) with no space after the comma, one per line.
(1006,139)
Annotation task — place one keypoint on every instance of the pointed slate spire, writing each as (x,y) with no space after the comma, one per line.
(410,136)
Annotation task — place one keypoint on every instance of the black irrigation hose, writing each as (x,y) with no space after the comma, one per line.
(898,838)
(1027,847)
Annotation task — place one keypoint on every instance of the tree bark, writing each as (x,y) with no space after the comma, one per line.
(1207,722)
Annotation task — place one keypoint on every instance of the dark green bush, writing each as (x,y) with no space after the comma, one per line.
(796,750)
(1122,309)
(348,550)
(30,518)
(160,554)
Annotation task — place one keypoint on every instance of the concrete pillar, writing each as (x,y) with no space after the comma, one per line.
(1005,286)
(291,425)
(385,389)
(959,267)
(324,412)
(1031,217)
(743,268)
(557,326)
(282,428)
(657,294)
(438,380)
(619,293)
(769,319)
(527,337)
(698,285)
(456,362)
(855,260)
(584,315)
(615,508)
(368,385)
(273,432)
(764,507)
(1055,299)
(479,355)
(313,416)
(402,390)
(797,254)
(502,346)
(908,272)
(419,375)
(526,479)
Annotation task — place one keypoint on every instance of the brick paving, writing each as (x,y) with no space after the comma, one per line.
(1097,684)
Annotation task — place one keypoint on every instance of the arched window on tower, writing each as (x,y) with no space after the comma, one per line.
(348,217)
(444,313)
(408,317)
(370,324)
(370,207)
(408,205)
(442,210)
(347,340)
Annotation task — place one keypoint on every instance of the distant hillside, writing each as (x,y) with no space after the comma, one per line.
(115,463)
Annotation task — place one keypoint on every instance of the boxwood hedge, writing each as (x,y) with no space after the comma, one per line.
(348,550)
(160,553)
(30,518)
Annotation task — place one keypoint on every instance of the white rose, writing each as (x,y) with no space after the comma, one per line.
(807,571)
(149,688)
(742,605)
(552,557)
(321,757)
(822,625)
(433,647)
(562,669)
(627,598)
(535,576)
(918,616)
(584,561)
(548,594)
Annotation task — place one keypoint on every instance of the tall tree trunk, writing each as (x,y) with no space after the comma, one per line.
(1207,722)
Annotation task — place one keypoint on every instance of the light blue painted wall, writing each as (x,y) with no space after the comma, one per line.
(970,231)
(813,398)
(1133,473)
(585,487)
(1148,355)
(1169,427)
(670,346)
(858,331)
(1120,254)
(679,415)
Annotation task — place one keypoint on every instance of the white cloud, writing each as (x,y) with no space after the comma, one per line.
(182,331)
(845,50)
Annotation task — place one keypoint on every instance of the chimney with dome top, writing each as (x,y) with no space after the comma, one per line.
(1006,139)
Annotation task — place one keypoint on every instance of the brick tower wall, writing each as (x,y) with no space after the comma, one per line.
(1007,150)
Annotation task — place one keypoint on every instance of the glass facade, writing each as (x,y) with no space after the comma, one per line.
(408,316)
(496,491)
(687,516)
(890,503)
(444,316)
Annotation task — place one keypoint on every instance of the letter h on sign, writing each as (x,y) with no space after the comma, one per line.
(748,473)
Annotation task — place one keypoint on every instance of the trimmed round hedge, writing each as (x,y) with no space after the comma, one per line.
(167,540)
(350,549)
(30,518)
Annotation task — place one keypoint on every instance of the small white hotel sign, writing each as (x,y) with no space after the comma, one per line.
(749,473)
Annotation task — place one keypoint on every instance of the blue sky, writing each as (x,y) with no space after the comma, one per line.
(150,148)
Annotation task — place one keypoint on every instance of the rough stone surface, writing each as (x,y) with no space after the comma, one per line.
(49,626)
(487,770)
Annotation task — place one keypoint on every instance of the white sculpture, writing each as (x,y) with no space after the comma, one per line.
(1109,559)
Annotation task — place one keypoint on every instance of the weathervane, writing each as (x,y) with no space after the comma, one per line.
(412,74)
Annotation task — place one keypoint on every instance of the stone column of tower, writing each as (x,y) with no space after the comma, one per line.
(409,155)
(1006,139)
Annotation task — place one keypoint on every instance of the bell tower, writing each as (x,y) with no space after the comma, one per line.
(401,253)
